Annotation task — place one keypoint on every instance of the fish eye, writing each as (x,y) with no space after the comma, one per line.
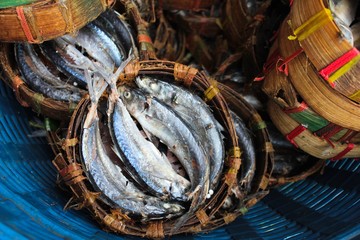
(154,86)
(127,94)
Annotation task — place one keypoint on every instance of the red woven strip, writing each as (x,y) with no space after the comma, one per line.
(144,38)
(349,147)
(348,136)
(333,131)
(283,67)
(24,24)
(294,133)
(270,63)
(303,106)
(291,3)
(328,131)
(338,63)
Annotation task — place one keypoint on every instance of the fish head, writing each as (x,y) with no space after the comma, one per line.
(134,100)
(179,190)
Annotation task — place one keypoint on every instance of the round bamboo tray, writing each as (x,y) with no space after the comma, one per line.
(279,89)
(306,140)
(331,55)
(210,215)
(44,20)
(322,98)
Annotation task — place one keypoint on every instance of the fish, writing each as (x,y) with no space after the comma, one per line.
(159,120)
(31,77)
(196,114)
(142,158)
(54,50)
(116,189)
(93,46)
(71,54)
(119,31)
(290,163)
(108,45)
(248,155)
(40,68)
(355,29)
(344,10)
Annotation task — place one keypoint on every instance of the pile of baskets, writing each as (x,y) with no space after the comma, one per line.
(75,69)
(312,82)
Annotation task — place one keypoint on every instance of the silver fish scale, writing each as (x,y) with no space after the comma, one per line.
(114,186)
(162,122)
(197,114)
(143,158)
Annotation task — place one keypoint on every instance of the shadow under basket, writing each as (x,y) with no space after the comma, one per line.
(31,204)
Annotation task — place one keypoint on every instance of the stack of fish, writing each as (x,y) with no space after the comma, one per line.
(153,147)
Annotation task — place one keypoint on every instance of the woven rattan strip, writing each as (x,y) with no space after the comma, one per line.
(45,20)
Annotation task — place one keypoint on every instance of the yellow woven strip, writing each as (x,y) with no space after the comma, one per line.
(356,96)
(311,25)
(344,69)
(235,152)
(211,92)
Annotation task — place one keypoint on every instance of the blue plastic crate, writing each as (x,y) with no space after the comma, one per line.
(31,206)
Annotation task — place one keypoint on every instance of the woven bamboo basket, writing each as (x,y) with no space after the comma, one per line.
(304,139)
(27,97)
(323,99)
(44,20)
(318,130)
(279,88)
(169,44)
(268,152)
(334,58)
(60,110)
(264,148)
(15,3)
(210,215)
(239,19)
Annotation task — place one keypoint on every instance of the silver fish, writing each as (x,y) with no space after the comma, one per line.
(31,76)
(195,113)
(162,122)
(116,187)
(43,71)
(355,29)
(109,46)
(248,155)
(142,157)
(344,10)
(93,47)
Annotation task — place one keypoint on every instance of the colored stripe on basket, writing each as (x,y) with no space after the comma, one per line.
(311,25)
(340,66)
(294,133)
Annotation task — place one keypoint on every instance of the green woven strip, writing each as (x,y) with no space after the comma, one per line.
(51,125)
(314,122)
(15,3)
(310,119)
(258,126)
